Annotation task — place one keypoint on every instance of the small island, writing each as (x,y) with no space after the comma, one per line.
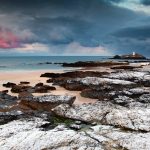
(130,56)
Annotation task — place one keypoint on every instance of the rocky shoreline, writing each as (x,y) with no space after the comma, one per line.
(119,120)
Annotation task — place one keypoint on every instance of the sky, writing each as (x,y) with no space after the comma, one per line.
(74,27)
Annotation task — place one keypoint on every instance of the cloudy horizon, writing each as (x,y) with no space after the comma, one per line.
(74,27)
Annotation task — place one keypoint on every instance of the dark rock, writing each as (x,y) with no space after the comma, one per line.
(38,88)
(130,56)
(25,95)
(116,57)
(125,67)
(49,81)
(95,94)
(75,74)
(47,102)
(5,91)
(24,82)
(9,84)
(45,63)
(91,64)
(43,89)
(21,88)
(6,101)
(6,117)
(39,84)
(74,86)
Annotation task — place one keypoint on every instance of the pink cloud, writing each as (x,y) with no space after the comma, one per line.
(8,39)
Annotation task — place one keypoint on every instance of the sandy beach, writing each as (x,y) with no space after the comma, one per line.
(34,77)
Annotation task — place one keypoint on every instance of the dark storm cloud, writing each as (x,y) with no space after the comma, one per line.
(142,32)
(145,2)
(57,22)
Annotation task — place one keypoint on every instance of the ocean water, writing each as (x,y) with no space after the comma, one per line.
(33,63)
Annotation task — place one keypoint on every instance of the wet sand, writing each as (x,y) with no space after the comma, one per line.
(34,77)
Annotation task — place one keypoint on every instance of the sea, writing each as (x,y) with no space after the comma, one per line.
(33,63)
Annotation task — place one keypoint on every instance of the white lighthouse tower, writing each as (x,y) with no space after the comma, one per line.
(133,53)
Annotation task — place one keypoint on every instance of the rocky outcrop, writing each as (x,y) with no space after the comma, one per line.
(46,102)
(130,56)
(134,118)
(6,101)
(9,84)
(98,81)
(29,134)
(39,88)
(126,67)
(91,64)
(24,82)
(74,74)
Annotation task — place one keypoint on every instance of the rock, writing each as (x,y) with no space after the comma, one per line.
(49,81)
(6,117)
(43,89)
(47,102)
(134,118)
(74,74)
(98,81)
(145,98)
(24,82)
(125,67)
(74,86)
(91,64)
(4,91)
(21,88)
(128,75)
(25,95)
(130,56)
(75,126)
(123,100)
(9,85)
(95,94)
(6,101)
(28,135)
(39,84)
(38,88)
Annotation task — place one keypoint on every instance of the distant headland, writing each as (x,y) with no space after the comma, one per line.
(130,56)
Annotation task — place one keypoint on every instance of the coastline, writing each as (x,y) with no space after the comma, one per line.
(34,77)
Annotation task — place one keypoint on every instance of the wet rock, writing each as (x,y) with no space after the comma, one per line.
(39,84)
(9,84)
(24,82)
(39,88)
(95,94)
(47,102)
(4,91)
(91,64)
(25,95)
(74,86)
(75,74)
(126,67)
(43,88)
(49,81)
(21,88)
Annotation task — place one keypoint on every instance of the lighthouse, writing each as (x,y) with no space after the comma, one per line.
(133,53)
